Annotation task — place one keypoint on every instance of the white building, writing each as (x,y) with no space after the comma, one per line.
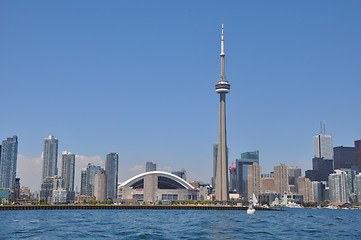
(157,186)
(60,196)
(338,186)
(357,185)
(322,146)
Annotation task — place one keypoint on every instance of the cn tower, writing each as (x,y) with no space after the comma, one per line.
(222,88)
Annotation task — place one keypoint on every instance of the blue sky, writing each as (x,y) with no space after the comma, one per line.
(137,78)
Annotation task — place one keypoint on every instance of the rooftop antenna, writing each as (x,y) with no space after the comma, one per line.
(324,127)
(320,127)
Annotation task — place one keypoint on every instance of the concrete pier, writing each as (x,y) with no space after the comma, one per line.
(128,207)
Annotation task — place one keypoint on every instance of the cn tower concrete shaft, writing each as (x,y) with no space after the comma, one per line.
(222,88)
(222,158)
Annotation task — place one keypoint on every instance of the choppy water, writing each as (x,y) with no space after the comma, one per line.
(180,224)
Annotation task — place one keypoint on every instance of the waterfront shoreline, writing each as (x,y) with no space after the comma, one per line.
(128,207)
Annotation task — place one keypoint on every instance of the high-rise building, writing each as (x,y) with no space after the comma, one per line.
(8,161)
(281,179)
(317,191)
(345,157)
(46,189)
(150,166)
(242,171)
(68,170)
(91,170)
(222,88)
(83,182)
(321,169)
(250,155)
(215,153)
(358,153)
(232,179)
(322,146)
(16,189)
(322,161)
(268,185)
(254,180)
(357,184)
(50,157)
(305,189)
(111,168)
(338,186)
(181,174)
(293,173)
(100,186)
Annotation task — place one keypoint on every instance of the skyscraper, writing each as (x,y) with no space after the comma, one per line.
(322,146)
(83,182)
(293,173)
(305,189)
(222,88)
(8,161)
(233,179)
(111,168)
(181,174)
(357,183)
(150,166)
(345,157)
(338,185)
(68,170)
(248,158)
(91,170)
(281,179)
(358,153)
(215,153)
(322,161)
(100,186)
(254,180)
(50,157)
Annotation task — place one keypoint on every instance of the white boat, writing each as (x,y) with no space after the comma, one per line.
(251,209)
(252,202)
(293,205)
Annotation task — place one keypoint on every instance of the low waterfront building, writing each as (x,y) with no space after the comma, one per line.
(5,195)
(60,196)
(84,198)
(157,186)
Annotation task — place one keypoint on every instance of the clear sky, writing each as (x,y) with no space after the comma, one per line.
(137,78)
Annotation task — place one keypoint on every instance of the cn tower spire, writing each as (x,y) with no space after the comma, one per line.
(222,88)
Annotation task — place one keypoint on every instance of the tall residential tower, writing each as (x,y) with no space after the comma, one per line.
(8,160)
(68,170)
(222,88)
(50,157)
(111,168)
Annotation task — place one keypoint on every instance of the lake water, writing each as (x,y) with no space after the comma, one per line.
(180,224)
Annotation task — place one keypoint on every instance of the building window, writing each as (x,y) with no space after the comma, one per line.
(171,197)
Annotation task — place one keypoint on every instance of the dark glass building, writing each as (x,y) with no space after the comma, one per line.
(358,153)
(321,169)
(111,168)
(8,161)
(247,158)
(345,157)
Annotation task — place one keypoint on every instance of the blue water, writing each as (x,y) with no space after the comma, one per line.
(180,224)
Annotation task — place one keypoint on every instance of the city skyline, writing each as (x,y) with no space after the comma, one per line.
(294,64)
